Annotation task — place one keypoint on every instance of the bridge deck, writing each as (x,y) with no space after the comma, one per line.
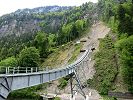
(10,82)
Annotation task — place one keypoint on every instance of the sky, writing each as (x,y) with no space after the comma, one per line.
(8,6)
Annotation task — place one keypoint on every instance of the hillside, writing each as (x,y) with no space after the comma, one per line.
(113,61)
(53,36)
(27,20)
(18,29)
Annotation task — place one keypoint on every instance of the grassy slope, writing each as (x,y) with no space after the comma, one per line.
(58,56)
(75,53)
(105,65)
(66,52)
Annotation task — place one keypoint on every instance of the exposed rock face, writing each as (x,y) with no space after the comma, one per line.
(28,21)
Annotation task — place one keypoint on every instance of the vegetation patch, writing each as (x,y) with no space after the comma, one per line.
(108,98)
(63,82)
(58,56)
(57,98)
(27,93)
(105,65)
(75,53)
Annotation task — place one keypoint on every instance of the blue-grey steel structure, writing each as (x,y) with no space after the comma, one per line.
(11,82)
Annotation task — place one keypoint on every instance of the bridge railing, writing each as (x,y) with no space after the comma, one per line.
(16,70)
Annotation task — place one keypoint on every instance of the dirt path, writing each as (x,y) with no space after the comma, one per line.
(98,30)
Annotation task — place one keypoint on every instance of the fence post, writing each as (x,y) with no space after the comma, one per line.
(31,70)
(26,69)
(13,70)
(6,70)
(36,69)
(18,69)
(47,68)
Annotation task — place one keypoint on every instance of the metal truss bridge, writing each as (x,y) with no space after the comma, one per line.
(18,79)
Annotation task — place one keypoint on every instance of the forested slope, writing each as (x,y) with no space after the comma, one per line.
(114,60)
(43,30)
(41,33)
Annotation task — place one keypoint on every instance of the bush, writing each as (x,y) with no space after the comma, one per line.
(29,57)
(9,62)
(63,82)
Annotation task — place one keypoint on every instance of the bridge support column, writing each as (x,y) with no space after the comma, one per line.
(71,80)
(4,88)
(77,85)
(1,98)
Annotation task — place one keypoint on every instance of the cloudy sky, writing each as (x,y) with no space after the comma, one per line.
(8,6)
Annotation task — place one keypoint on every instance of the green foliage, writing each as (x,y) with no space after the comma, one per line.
(106,9)
(27,93)
(75,53)
(29,57)
(10,61)
(63,82)
(125,46)
(73,30)
(57,98)
(67,32)
(121,22)
(79,25)
(108,98)
(125,13)
(41,42)
(105,65)
(52,40)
